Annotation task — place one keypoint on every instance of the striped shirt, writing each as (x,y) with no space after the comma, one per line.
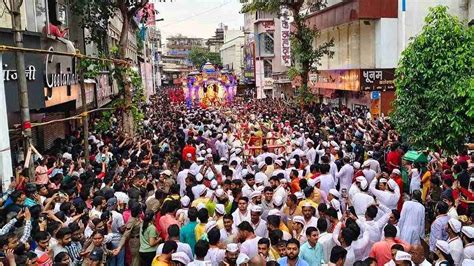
(74,250)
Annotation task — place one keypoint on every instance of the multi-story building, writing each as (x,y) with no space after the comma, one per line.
(180,46)
(53,84)
(173,68)
(266,38)
(53,88)
(369,36)
(232,51)
(215,43)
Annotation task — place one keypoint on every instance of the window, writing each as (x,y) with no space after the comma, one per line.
(267,69)
(266,44)
(35,15)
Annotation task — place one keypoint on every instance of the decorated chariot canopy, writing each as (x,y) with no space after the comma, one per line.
(209,87)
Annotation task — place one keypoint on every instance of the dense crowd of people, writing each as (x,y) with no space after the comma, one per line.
(258,183)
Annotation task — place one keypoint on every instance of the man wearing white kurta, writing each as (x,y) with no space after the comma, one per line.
(242,213)
(258,225)
(362,200)
(325,239)
(373,164)
(412,220)
(326,179)
(250,241)
(385,197)
(311,152)
(454,241)
(345,174)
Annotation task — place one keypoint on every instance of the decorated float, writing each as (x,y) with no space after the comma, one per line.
(209,87)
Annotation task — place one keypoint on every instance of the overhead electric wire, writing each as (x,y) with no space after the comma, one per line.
(196,15)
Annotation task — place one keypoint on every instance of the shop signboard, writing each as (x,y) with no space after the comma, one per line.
(34,70)
(285,20)
(347,80)
(381,79)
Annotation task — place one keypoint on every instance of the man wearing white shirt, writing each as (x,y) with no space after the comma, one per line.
(229,232)
(242,213)
(454,241)
(326,180)
(362,200)
(374,227)
(173,234)
(369,174)
(249,186)
(265,154)
(249,240)
(412,219)
(345,174)
(320,152)
(310,152)
(418,256)
(325,239)
(332,168)
(258,225)
(373,164)
(308,215)
(383,195)
(215,254)
(298,151)
(278,189)
(200,249)
(181,178)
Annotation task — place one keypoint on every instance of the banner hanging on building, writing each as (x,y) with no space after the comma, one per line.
(285,36)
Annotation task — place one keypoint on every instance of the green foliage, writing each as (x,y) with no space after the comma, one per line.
(140,42)
(92,68)
(305,96)
(435,89)
(199,56)
(94,15)
(293,72)
(138,98)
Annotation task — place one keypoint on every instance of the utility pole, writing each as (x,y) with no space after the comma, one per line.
(85,116)
(15,14)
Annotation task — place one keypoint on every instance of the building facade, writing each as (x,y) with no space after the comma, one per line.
(267,53)
(180,46)
(215,43)
(232,51)
(53,83)
(369,36)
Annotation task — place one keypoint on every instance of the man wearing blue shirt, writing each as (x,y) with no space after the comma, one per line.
(292,251)
(312,251)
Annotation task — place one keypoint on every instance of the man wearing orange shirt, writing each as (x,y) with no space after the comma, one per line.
(295,181)
(381,251)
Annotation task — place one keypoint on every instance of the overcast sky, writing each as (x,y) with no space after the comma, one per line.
(197,18)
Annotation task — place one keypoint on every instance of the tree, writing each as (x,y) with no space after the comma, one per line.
(199,56)
(307,56)
(95,16)
(434,106)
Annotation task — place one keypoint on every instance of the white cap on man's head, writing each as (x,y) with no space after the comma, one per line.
(185,201)
(220,209)
(232,247)
(401,255)
(455,225)
(335,193)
